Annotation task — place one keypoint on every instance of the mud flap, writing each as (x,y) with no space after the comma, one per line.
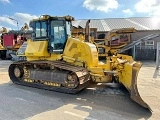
(128,77)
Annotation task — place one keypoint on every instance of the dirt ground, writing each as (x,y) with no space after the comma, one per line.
(148,84)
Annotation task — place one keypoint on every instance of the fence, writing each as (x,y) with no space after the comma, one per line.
(145,54)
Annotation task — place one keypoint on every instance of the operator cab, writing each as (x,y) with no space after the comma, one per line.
(53,29)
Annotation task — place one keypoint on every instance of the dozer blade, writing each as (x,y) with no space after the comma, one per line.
(128,78)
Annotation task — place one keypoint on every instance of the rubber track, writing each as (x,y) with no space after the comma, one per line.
(59,64)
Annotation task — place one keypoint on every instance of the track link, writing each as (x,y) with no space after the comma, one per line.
(25,68)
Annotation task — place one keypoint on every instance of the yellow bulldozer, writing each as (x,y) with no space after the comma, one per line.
(57,61)
(108,43)
(3,30)
(11,41)
(115,40)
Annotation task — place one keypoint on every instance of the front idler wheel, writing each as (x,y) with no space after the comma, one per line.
(18,72)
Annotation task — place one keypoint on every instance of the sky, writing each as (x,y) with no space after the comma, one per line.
(22,11)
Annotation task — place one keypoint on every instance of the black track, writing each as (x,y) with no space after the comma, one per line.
(60,64)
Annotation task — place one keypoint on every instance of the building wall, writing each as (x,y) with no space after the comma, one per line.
(140,34)
(145,52)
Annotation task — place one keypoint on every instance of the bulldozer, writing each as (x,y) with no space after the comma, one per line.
(2,49)
(11,41)
(108,43)
(57,61)
(115,40)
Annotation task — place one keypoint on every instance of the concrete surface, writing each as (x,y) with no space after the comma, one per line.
(109,102)
(149,87)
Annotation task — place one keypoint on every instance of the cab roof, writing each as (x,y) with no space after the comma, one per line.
(46,17)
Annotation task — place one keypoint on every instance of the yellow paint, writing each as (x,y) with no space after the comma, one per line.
(77,50)
(80,53)
(37,49)
(1,46)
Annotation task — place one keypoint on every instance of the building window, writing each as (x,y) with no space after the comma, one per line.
(149,44)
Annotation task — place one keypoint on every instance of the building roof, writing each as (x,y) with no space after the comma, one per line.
(139,23)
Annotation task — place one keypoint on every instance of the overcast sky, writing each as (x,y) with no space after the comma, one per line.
(25,10)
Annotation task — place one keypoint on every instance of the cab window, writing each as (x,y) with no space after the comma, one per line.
(41,29)
(59,35)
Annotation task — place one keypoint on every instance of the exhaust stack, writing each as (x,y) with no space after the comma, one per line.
(87,31)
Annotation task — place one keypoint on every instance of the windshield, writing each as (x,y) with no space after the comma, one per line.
(57,30)
(41,29)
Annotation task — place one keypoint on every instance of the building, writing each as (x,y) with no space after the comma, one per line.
(144,26)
